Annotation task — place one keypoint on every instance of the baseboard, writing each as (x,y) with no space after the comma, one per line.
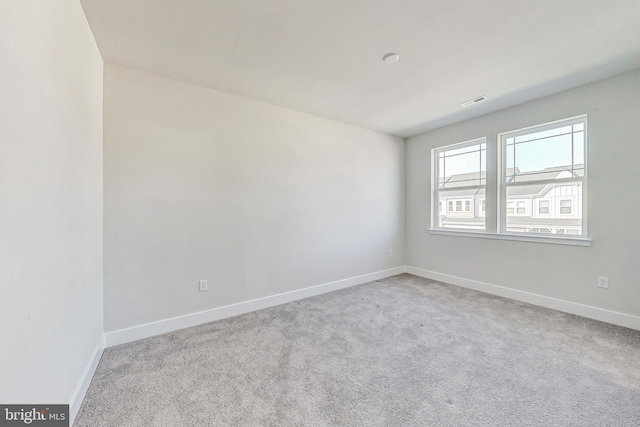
(134,333)
(601,314)
(87,376)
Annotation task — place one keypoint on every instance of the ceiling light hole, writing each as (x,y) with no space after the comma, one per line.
(390,58)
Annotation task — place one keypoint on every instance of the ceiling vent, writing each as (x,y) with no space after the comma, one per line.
(473,101)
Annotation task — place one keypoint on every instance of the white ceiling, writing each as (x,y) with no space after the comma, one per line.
(324,57)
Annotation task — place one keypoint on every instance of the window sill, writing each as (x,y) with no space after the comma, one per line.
(572,241)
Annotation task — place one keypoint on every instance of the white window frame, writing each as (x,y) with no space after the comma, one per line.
(435,180)
(502,168)
(495,190)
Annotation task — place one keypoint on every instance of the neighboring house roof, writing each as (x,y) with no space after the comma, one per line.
(449,188)
(464,180)
(462,193)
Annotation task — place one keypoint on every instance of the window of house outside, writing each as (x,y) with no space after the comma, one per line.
(543,207)
(565,207)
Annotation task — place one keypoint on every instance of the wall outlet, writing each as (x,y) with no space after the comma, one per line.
(390,252)
(603,282)
(203,285)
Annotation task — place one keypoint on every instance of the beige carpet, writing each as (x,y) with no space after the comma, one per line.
(403,351)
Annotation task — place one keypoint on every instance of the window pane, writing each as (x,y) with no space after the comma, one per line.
(510,159)
(559,209)
(461,179)
(483,164)
(578,150)
(544,134)
(536,156)
(550,154)
(462,167)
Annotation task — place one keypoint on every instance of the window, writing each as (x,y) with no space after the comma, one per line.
(535,189)
(543,161)
(543,207)
(459,173)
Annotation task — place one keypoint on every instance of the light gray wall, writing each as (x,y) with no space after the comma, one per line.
(50,200)
(254,198)
(564,272)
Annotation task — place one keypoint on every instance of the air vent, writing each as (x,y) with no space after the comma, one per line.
(473,101)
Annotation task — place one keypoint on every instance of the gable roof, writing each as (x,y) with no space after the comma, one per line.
(453,182)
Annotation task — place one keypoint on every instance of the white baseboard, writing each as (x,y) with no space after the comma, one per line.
(87,376)
(601,314)
(193,319)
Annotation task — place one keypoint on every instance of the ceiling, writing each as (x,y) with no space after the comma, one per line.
(324,57)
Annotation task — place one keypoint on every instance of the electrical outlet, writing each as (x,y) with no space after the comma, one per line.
(390,252)
(603,282)
(203,285)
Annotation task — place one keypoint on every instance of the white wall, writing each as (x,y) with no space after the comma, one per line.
(564,272)
(50,200)
(257,199)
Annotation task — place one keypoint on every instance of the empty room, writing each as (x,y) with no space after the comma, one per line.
(319,213)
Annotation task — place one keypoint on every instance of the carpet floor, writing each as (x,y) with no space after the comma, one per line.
(403,351)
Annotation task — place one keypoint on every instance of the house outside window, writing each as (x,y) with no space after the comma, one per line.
(543,207)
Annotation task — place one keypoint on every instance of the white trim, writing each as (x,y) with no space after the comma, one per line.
(601,314)
(546,182)
(87,376)
(146,330)
(572,241)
